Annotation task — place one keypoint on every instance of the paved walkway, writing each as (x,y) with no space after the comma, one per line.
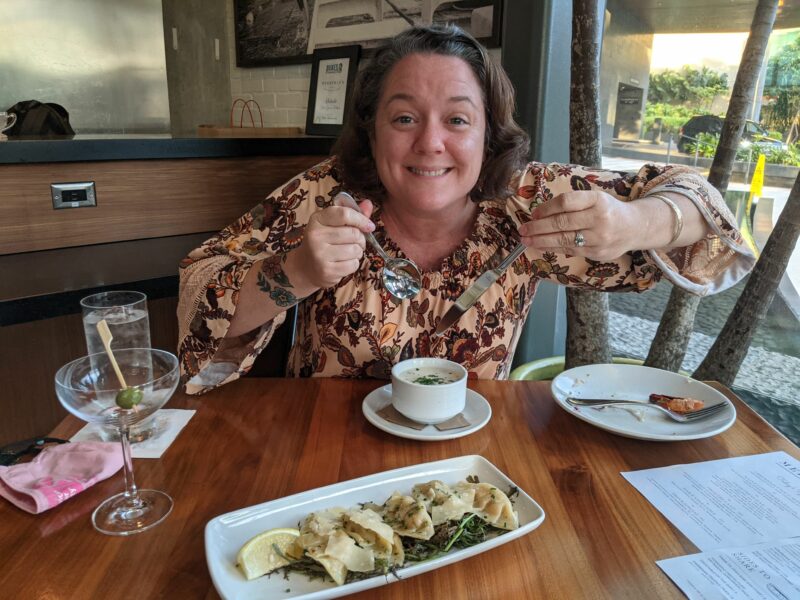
(769,379)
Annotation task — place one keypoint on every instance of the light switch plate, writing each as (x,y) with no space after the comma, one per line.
(73,195)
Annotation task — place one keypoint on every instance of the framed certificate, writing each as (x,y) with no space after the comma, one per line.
(333,72)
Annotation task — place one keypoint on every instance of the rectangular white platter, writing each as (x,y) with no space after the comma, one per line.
(226,533)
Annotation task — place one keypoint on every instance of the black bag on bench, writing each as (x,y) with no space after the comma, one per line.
(37,119)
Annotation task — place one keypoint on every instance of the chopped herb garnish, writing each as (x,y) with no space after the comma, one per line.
(462,533)
(431,380)
(467,531)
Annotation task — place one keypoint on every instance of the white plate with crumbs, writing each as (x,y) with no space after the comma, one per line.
(633,382)
(225,534)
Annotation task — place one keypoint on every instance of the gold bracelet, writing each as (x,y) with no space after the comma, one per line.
(677,227)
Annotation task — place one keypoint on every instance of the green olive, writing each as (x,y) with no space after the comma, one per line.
(129,397)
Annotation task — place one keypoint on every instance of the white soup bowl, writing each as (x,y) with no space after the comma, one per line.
(428,402)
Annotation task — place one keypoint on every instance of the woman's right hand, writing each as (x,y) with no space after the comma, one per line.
(333,244)
(332,247)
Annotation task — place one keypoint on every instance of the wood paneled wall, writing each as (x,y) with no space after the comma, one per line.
(135,199)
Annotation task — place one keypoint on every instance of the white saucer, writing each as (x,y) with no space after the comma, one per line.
(476,411)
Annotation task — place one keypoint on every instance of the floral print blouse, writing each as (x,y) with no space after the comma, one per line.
(356,329)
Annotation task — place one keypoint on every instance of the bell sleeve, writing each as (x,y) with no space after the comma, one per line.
(710,265)
(212,275)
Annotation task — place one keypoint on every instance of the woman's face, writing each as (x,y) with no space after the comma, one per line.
(429,132)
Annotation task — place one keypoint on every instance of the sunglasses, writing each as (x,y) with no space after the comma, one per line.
(11,453)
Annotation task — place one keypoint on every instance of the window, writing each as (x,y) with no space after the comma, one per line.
(681,64)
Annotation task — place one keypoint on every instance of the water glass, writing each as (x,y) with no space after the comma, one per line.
(129,323)
(126,315)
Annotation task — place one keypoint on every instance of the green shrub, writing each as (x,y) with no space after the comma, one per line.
(775,156)
(707,143)
(672,118)
(779,156)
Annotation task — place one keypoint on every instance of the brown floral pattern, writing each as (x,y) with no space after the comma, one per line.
(356,329)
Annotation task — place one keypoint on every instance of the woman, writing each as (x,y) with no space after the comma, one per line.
(433,152)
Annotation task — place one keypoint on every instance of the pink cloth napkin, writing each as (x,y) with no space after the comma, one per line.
(58,473)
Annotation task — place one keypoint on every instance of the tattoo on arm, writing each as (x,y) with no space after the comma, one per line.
(273,281)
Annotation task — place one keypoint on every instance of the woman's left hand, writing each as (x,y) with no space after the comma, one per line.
(607,227)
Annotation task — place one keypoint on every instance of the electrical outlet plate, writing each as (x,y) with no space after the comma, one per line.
(73,195)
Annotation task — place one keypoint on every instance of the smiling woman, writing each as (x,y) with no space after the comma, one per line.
(428,149)
(432,151)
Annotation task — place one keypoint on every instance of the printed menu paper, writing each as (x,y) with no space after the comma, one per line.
(770,570)
(730,502)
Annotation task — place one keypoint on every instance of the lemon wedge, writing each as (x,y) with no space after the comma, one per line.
(260,556)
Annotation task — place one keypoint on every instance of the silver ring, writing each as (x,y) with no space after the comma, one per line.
(580,241)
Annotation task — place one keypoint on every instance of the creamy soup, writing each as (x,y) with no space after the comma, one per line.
(429,375)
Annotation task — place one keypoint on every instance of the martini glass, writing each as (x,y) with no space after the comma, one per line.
(88,388)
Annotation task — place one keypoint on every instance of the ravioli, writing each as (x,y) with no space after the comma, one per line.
(368,529)
(408,517)
(370,538)
(491,505)
(443,502)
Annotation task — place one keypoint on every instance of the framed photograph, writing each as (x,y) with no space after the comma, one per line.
(271,32)
(333,72)
(279,32)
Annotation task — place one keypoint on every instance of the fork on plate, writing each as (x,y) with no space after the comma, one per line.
(680,417)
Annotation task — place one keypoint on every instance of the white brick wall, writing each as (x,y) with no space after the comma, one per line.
(281,92)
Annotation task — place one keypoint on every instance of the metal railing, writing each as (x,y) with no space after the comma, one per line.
(697,143)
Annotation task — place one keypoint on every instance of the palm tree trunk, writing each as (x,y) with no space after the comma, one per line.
(672,337)
(674,330)
(587,311)
(584,91)
(742,95)
(730,348)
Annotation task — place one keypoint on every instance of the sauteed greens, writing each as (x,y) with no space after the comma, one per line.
(351,545)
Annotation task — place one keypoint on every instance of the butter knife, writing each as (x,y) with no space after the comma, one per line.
(475,291)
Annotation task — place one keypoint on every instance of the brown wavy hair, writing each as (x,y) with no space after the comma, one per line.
(506,143)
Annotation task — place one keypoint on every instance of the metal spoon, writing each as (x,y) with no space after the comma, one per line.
(401,277)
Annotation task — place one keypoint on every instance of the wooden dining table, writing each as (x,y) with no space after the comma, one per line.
(260,439)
